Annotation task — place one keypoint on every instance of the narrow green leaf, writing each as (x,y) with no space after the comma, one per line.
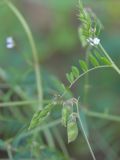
(75,71)
(83,65)
(40,115)
(82,37)
(70,77)
(94,61)
(72,129)
(63,87)
(97,54)
(104,60)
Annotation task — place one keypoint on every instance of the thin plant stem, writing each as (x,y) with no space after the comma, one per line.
(102,115)
(18,103)
(98,67)
(9,153)
(83,74)
(109,58)
(21,103)
(33,47)
(84,133)
(49,138)
(35,58)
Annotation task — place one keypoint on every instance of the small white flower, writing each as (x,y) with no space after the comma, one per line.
(96,41)
(93,41)
(10,42)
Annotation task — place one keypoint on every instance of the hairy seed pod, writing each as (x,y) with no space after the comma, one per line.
(72,128)
(66,111)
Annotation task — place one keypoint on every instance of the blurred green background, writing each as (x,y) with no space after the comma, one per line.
(54,25)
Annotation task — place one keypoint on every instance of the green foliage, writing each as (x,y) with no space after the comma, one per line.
(97,60)
(70,77)
(50,154)
(21,98)
(91,25)
(75,71)
(94,61)
(97,55)
(39,116)
(83,65)
(104,60)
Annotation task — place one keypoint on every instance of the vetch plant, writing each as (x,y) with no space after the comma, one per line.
(96,58)
(88,32)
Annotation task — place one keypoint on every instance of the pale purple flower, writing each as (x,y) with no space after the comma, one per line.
(10,42)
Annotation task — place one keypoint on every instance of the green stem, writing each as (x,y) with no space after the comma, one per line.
(18,103)
(102,115)
(84,133)
(22,103)
(109,58)
(49,138)
(9,153)
(92,69)
(33,47)
(83,74)
(35,58)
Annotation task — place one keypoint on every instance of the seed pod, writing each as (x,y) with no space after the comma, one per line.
(40,115)
(72,128)
(66,111)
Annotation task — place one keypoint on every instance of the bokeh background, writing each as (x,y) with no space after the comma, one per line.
(54,25)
